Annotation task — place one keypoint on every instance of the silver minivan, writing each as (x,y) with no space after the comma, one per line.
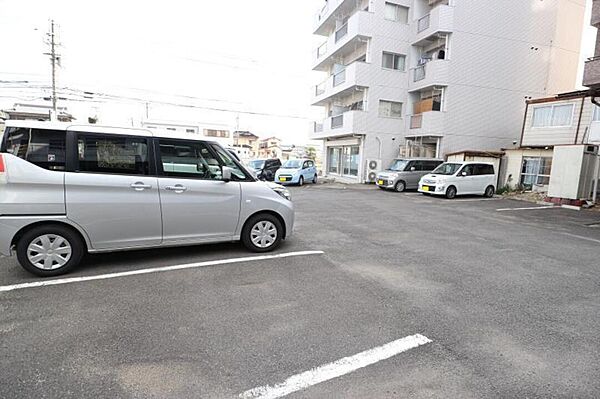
(405,173)
(66,190)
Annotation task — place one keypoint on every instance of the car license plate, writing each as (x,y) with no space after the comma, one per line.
(425,188)
(282,179)
(380,182)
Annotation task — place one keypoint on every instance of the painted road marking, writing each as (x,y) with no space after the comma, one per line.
(526,209)
(336,369)
(476,199)
(45,283)
(582,237)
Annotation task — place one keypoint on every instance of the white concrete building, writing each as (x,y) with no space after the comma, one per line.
(432,77)
(217,132)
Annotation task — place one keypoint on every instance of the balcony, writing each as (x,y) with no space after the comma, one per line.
(348,123)
(591,72)
(433,73)
(345,40)
(326,17)
(595,14)
(429,123)
(439,20)
(355,75)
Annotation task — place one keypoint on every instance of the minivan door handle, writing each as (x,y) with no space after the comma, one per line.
(140,186)
(178,188)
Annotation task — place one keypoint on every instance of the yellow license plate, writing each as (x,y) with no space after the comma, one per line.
(425,188)
(282,179)
(380,182)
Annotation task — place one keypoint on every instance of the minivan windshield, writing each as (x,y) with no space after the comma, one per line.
(292,164)
(447,169)
(257,164)
(398,165)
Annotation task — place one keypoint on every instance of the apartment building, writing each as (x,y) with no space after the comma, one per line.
(432,77)
(591,72)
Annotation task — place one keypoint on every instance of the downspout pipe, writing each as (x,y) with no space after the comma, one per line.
(597,174)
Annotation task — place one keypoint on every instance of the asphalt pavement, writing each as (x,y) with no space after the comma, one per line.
(508,297)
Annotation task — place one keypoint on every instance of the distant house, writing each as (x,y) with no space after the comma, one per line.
(269,148)
(246,144)
(550,125)
(37,112)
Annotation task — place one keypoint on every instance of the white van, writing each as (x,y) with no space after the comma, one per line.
(460,178)
(66,190)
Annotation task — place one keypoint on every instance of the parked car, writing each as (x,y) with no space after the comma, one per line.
(264,169)
(66,190)
(297,171)
(405,173)
(458,178)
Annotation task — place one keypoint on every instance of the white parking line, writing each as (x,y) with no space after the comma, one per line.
(45,283)
(526,209)
(582,237)
(336,369)
(476,199)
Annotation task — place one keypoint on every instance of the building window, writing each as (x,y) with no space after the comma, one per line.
(553,116)
(394,61)
(216,133)
(190,130)
(395,12)
(343,160)
(535,171)
(390,109)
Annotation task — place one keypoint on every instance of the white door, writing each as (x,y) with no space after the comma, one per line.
(466,180)
(111,194)
(197,205)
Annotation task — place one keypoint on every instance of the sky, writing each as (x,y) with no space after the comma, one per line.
(251,58)
(241,55)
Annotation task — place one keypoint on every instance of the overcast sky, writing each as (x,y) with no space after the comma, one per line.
(243,55)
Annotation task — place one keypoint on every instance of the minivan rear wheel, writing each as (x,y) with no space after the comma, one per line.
(51,250)
(489,192)
(262,233)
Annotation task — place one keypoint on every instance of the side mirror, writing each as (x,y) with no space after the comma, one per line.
(412,168)
(226,174)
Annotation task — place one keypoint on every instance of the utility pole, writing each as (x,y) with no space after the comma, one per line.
(54,61)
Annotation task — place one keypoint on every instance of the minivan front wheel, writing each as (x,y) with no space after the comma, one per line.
(48,251)
(451,192)
(262,233)
(400,186)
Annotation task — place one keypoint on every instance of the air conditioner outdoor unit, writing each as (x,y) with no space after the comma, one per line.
(373,167)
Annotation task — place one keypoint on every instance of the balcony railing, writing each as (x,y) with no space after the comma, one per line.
(419,73)
(337,121)
(340,33)
(320,88)
(318,127)
(339,78)
(423,23)
(416,121)
(321,50)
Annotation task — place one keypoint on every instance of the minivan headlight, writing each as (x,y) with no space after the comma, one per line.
(283,192)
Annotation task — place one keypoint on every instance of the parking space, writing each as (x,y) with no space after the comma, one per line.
(509,300)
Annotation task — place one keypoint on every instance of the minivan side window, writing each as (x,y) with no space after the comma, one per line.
(483,169)
(468,169)
(188,159)
(42,147)
(97,153)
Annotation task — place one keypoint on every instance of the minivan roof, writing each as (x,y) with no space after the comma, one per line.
(470,163)
(419,159)
(131,131)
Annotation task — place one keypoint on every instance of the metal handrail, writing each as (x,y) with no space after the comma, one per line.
(339,78)
(423,23)
(337,121)
(419,73)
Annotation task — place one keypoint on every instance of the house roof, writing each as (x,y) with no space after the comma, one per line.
(562,96)
(244,133)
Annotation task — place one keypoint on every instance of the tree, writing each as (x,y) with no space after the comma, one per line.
(311,153)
